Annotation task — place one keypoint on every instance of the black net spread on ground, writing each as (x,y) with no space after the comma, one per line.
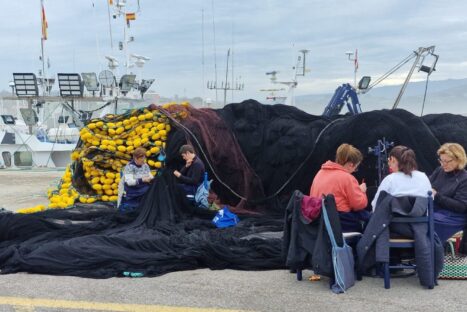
(257,155)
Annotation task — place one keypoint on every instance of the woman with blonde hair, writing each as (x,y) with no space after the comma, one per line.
(336,178)
(449,182)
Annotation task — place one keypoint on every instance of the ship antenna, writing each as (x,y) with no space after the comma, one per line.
(215,53)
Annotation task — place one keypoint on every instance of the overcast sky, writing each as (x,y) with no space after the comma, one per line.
(264,35)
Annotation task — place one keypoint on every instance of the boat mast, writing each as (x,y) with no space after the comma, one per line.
(202,55)
(226,87)
(126,25)
(214,45)
(110,26)
(43,38)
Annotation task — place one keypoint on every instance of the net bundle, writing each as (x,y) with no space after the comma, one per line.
(106,145)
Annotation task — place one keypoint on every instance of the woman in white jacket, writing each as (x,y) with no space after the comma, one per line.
(405,179)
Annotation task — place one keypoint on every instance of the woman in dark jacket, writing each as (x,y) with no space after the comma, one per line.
(449,182)
(191,175)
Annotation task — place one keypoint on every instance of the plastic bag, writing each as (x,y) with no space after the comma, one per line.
(201,195)
(225,218)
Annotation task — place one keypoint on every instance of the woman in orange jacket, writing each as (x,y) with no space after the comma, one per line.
(336,178)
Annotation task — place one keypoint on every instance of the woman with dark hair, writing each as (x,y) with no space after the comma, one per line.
(405,179)
(336,178)
(449,183)
(191,175)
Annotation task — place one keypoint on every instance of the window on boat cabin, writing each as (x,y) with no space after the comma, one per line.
(63,119)
(8,119)
(6,158)
(23,159)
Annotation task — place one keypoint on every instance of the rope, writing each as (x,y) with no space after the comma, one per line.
(176,122)
(95,110)
(305,161)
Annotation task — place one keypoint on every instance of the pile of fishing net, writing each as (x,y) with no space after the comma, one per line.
(105,147)
(164,234)
(257,156)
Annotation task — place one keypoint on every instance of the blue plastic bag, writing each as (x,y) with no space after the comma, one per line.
(225,218)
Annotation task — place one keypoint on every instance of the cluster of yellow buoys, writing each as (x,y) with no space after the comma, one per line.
(31,209)
(66,194)
(106,146)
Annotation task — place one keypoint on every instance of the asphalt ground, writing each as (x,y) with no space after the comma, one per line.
(202,290)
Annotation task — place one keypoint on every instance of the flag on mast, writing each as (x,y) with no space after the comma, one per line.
(130,17)
(44,23)
(356,59)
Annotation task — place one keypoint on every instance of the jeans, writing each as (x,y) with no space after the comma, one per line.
(128,205)
(448,223)
(354,221)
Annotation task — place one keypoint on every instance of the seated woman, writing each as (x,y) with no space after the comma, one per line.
(136,179)
(449,183)
(404,191)
(192,174)
(405,179)
(336,178)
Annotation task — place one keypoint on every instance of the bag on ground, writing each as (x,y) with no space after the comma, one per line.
(225,218)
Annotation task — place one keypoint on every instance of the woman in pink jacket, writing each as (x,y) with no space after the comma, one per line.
(336,178)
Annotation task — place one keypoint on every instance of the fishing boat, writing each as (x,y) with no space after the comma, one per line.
(40,128)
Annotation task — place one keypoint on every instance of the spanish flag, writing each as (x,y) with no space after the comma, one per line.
(130,16)
(44,24)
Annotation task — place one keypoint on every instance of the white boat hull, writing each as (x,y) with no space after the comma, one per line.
(23,150)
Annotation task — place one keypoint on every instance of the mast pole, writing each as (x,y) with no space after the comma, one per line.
(226,86)
(215,53)
(202,56)
(43,21)
(110,26)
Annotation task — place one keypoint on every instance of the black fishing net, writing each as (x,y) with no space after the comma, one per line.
(256,154)
(276,141)
(165,234)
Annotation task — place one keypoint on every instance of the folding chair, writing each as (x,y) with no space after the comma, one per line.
(410,243)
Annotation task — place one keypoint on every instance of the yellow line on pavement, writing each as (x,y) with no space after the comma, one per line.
(19,302)
(23,309)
